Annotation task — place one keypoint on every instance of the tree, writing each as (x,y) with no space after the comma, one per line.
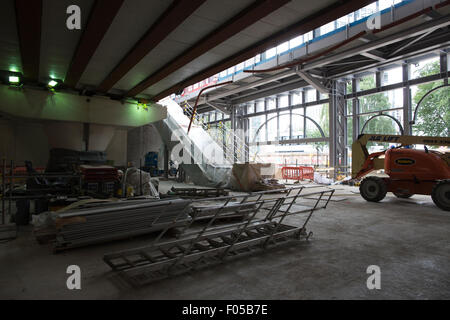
(375,102)
(325,125)
(433,115)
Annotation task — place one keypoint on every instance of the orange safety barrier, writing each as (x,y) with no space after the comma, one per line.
(297,173)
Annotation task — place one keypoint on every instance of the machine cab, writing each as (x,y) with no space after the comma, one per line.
(411,164)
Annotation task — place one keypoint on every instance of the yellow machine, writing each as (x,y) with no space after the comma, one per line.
(410,171)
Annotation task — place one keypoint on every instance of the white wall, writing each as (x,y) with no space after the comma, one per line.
(32,140)
(143,140)
(67,135)
(117,148)
(100,137)
(20,141)
(61,106)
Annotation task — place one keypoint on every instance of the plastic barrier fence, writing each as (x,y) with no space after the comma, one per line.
(297,173)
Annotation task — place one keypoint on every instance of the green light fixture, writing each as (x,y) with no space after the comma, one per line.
(14,79)
(52,83)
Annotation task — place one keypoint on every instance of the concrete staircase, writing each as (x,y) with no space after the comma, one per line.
(197,153)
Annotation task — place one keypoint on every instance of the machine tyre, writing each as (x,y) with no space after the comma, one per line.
(441,194)
(403,195)
(373,189)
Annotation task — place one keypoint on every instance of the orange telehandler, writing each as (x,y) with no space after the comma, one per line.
(410,171)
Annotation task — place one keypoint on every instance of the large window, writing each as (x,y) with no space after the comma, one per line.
(381,124)
(272,127)
(310,95)
(283,47)
(297,123)
(374,102)
(250,108)
(297,98)
(327,28)
(271,103)
(424,67)
(392,76)
(249,62)
(319,113)
(255,123)
(285,125)
(260,106)
(433,114)
(367,82)
(308,36)
(271,53)
(296,42)
(284,101)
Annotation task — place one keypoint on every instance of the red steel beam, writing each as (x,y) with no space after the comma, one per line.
(312,22)
(253,13)
(442,4)
(28,18)
(194,111)
(100,19)
(177,12)
(403,20)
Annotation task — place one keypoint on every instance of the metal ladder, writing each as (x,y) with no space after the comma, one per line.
(211,245)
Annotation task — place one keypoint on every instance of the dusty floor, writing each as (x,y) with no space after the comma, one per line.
(408,239)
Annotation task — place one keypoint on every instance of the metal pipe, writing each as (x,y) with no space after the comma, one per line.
(140,176)
(372,112)
(11,186)
(43,176)
(198,97)
(124,180)
(3,190)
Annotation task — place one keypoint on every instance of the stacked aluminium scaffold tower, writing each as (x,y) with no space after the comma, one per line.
(265,226)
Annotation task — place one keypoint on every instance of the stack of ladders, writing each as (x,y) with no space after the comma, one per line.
(109,221)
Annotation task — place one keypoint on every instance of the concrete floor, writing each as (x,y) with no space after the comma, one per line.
(409,239)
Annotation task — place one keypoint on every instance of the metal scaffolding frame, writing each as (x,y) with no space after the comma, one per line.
(269,222)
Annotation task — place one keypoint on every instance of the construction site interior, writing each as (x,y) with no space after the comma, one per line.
(210,149)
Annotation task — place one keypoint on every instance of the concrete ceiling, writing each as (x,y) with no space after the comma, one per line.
(130,24)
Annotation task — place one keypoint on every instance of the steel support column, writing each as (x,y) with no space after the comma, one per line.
(239,133)
(246,131)
(406,100)
(233,136)
(338,125)
(355,111)
(265,109)
(291,102)
(166,161)
(444,66)
(277,105)
(304,112)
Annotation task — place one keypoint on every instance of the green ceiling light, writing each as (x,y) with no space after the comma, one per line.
(14,80)
(142,103)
